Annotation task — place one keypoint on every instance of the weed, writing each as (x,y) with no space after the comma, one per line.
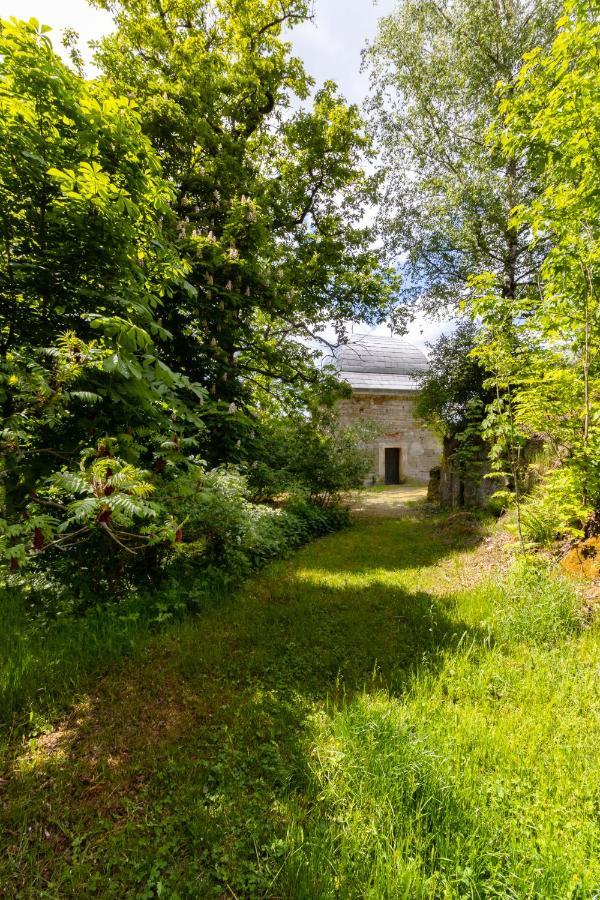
(354,723)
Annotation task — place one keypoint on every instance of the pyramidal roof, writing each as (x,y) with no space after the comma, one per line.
(383,365)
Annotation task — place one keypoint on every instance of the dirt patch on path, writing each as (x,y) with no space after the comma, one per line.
(389,502)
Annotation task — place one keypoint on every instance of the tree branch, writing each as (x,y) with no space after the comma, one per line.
(285,17)
(113,537)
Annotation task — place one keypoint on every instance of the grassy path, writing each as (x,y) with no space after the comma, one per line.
(363,721)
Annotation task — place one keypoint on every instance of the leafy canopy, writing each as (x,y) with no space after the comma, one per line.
(551,117)
(167,234)
(270,191)
(85,270)
(434,66)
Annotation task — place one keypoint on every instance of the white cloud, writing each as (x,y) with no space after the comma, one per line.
(331,46)
(90,23)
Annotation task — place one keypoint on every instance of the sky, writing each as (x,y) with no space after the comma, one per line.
(330,47)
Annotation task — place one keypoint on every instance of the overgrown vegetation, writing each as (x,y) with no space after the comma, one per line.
(166,251)
(542,352)
(396,712)
(492,191)
(58,631)
(453,399)
(367,720)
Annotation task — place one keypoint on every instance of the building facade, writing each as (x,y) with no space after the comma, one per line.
(381,372)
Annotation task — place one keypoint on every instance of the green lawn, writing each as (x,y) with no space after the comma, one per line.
(372,719)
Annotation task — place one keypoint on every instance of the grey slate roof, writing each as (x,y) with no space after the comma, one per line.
(380,364)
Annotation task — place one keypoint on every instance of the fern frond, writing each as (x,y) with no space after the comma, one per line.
(86,396)
(69,481)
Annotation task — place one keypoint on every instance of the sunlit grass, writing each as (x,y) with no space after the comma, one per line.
(44,663)
(481,782)
(363,721)
(348,580)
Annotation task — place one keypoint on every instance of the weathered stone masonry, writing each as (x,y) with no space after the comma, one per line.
(381,373)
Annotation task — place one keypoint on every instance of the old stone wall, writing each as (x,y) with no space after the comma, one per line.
(393,419)
(454,489)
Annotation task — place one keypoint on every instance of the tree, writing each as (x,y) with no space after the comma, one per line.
(85,270)
(452,390)
(269,197)
(301,447)
(551,117)
(434,69)
(453,398)
(555,116)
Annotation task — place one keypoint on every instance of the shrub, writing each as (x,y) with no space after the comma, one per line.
(500,502)
(313,456)
(554,509)
(535,606)
(227,531)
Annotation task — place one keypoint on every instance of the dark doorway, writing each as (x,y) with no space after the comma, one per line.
(392,465)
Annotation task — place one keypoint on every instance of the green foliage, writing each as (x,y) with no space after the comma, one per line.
(543,350)
(85,270)
(453,397)
(555,114)
(435,67)
(237,535)
(535,606)
(454,382)
(355,723)
(313,456)
(270,192)
(153,252)
(507,220)
(500,502)
(554,509)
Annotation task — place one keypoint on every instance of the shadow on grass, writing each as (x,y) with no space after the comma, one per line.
(190,767)
(420,539)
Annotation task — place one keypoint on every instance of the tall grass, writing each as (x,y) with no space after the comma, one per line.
(359,722)
(49,649)
(43,663)
(478,782)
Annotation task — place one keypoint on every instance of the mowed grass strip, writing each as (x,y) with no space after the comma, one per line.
(361,721)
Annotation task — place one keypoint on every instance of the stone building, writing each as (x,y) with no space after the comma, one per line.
(380,371)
